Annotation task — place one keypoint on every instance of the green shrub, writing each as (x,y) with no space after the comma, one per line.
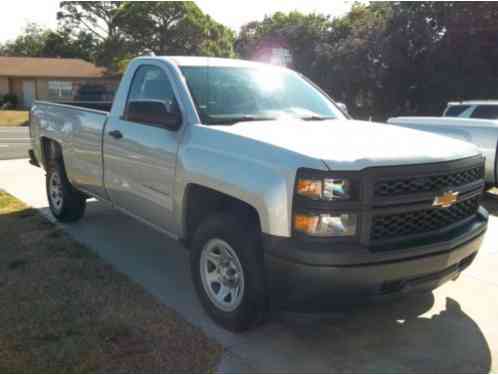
(10,99)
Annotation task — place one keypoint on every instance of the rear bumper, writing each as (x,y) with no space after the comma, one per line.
(297,285)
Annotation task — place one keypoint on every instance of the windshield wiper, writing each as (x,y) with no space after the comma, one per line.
(213,120)
(317,118)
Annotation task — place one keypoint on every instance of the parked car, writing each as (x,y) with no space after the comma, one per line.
(478,109)
(282,200)
(482,133)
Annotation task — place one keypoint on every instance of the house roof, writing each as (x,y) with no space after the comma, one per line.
(48,68)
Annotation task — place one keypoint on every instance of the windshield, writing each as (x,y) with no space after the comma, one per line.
(226,95)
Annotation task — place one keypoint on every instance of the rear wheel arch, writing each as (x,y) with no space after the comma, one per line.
(51,151)
(66,203)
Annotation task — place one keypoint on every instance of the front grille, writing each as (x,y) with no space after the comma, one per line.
(385,227)
(421,184)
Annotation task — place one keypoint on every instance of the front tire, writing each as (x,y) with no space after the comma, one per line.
(227,271)
(66,203)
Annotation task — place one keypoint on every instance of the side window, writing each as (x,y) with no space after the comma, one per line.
(150,86)
(486,112)
(456,110)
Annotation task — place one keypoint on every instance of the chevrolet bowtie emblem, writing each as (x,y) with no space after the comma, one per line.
(445,200)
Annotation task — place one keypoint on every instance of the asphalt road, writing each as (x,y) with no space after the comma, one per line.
(452,330)
(14,142)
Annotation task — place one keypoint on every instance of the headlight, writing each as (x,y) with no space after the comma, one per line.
(336,189)
(330,189)
(326,225)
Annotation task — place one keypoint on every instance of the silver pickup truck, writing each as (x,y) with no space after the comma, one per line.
(283,201)
(483,133)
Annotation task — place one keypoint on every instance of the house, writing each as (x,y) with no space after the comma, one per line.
(54,79)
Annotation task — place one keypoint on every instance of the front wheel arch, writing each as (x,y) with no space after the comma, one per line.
(201,202)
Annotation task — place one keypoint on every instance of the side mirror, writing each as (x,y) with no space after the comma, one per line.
(342,107)
(154,113)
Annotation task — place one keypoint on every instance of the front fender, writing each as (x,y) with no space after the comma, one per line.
(257,173)
(265,188)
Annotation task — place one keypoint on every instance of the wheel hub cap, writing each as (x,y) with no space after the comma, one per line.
(222,275)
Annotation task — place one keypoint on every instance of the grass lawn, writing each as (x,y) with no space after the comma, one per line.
(14,118)
(63,309)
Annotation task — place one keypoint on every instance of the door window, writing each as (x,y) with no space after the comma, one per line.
(150,83)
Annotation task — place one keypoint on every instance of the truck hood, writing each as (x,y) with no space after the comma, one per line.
(354,145)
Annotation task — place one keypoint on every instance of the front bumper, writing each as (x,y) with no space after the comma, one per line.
(296,284)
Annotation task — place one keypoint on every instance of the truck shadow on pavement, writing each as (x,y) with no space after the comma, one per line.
(394,337)
(490,202)
(417,334)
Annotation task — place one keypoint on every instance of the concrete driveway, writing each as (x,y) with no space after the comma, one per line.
(14,142)
(452,330)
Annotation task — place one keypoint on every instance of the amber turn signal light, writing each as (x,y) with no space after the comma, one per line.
(309,188)
(305,223)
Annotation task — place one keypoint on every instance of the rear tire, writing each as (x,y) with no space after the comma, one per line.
(226,260)
(66,203)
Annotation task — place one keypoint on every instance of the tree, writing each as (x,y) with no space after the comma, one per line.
(63,44)
(174,27)
(350,59)
(299,34)
(122,30)
(38,42)
(30,43)
(425,54)
(98,20)
(462,61)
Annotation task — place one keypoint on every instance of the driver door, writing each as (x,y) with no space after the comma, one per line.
(140,157)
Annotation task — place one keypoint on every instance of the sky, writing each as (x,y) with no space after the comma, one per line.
(231,13)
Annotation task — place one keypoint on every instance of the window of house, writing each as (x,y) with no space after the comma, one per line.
(60,89)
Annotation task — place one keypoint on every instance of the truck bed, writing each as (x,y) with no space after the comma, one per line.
(79,129)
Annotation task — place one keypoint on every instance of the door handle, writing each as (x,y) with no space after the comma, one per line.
(116,134)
